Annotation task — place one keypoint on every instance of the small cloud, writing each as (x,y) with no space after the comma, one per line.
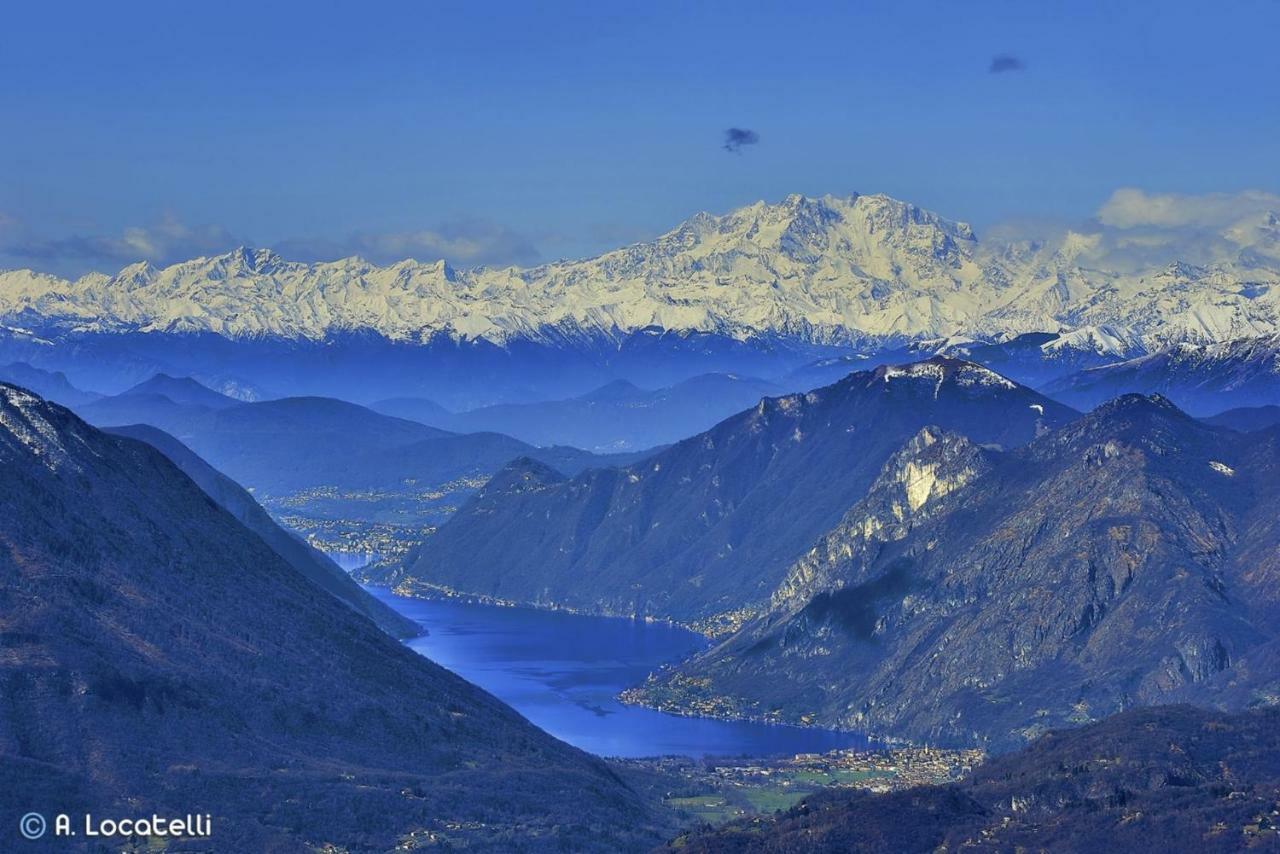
(1002,62)
(736,138)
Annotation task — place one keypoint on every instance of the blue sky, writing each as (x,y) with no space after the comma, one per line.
(513,132)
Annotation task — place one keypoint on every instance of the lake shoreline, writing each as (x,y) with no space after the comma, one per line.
(567,672)
(418,589)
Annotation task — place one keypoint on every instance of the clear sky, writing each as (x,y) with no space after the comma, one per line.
(496,132)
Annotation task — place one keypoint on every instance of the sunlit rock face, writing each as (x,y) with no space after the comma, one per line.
(977,595)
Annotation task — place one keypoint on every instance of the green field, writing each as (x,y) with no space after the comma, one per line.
(783,791)
(713,808)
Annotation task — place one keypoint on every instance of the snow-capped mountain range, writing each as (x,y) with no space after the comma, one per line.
(829,270)
(1203,379)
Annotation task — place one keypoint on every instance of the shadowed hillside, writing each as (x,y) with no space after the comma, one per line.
(160,657)
(1172,779)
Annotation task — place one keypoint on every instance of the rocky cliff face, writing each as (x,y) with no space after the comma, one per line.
(912,483)
(1122,559)
(237,501)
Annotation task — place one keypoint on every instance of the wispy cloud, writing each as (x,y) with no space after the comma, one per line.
(464,242)
(1129,207)
(1134,229)
(164,242)
(736,138)
(1003,62)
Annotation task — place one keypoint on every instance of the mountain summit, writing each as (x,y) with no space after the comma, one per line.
(824,270)
(1127,558)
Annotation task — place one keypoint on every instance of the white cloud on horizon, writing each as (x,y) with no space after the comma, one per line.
(1134,229)
(164,242)
(462,242)
(1130,230)
(1129,207)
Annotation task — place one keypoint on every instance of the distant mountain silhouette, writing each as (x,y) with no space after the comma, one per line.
(617,416)
(290,444)
(1200,378)
(183,390)
(52,385)
(413,409)
(1246,419)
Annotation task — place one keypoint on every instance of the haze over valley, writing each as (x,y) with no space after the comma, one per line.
(597,428)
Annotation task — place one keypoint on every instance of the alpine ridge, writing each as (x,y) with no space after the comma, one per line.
(976,595)
(1203,379)
(707,527)
(845,270)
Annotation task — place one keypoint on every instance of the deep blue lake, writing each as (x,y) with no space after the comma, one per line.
(563,672)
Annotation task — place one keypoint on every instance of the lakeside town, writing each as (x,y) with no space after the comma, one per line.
(715,790)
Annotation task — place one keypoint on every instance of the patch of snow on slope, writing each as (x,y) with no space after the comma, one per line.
(21,416)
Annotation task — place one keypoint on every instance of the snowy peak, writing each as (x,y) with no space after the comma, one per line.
(944,369)
(806,229)
(1105,340)
(822,269)
(862,269)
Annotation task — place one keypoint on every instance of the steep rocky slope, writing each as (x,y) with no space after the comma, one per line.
(982,596)
(159,657)
(233,498)
(707,527)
